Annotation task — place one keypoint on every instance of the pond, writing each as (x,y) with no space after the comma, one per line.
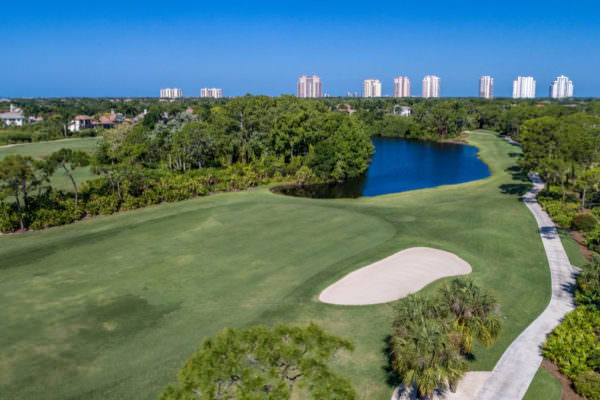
(399,165)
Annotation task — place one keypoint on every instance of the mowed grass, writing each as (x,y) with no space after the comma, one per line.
(544,387)
(113,306)
(40,149)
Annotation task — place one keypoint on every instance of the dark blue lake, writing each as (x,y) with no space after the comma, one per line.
(399,165)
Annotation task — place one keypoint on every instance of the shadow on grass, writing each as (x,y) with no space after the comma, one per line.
(521,182)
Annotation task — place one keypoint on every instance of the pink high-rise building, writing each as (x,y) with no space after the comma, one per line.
(309,86)
(401,86)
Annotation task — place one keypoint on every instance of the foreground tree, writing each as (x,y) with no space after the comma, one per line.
(263,363)
(68,160)
(17,176)
(473,311)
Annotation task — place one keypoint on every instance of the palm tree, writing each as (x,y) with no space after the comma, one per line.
(424,356)
(474,312)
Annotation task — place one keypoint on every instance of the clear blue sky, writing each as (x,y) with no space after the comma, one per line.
(110,48)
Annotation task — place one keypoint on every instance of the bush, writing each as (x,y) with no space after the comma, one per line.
(570,344)
(583,222)
(561,213)
(587,291)
(588,385)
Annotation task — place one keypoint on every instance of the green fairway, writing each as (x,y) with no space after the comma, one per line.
(544,387)
(59,180)
(110,308)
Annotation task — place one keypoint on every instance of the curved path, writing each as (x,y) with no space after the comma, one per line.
(516,368)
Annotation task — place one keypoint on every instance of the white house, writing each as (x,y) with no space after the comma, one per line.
(80,122)
(12,119)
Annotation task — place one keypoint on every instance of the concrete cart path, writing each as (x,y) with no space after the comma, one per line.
(515,370)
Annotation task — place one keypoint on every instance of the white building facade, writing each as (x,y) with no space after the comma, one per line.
(524,87)
(171,93)
(486,87)
(431,87)
(372,88)
(401,86)
(214,93)
(309,87)
(561,88)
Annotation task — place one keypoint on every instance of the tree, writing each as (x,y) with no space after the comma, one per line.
(16,173)
(423,354)
(473,311)
(263,363)
(589,180)
(68,160)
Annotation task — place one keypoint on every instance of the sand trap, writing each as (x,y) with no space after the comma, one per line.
(394,277)
(467,388)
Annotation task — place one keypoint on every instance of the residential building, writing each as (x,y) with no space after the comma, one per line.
(309,86)
(213,93)
(80,122)
(561,88)
(402,111)
(401,86)
(371,88)
(486,87)
(431,86)
(12,119)
(524,87)
(171,93)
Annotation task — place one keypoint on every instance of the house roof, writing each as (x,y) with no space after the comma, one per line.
(11,115)
(82,117)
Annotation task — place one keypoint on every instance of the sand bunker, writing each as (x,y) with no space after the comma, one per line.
(394,277)
(467,388)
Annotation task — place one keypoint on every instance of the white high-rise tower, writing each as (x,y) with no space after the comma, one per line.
(431,86)
(561,88)
(486,87)
(309,86)
(371,88)
(524,87)
(401,86)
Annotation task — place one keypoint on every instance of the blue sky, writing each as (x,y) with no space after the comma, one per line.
(111,48)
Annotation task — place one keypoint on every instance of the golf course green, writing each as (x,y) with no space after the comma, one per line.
(111,307)
(39,149)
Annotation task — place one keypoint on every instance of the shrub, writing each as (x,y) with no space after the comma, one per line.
(583,222)
(561,213)
(587,291)
(587,384)
(570,344)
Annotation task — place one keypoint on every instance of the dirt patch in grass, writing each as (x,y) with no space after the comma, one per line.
(578,237)
(567,390)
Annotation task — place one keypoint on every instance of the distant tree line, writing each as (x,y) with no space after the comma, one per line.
(244,142)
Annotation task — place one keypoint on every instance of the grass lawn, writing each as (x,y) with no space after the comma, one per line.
(59,180)
(544,387)
(111,307)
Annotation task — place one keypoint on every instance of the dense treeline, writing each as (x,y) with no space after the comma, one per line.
(243,143)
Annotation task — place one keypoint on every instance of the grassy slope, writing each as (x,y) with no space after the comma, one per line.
(544,387)
(38,149)
(111,307)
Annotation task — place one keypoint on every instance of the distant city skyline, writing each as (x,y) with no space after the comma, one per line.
(70,48)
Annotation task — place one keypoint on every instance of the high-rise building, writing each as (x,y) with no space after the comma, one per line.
(486,87)
(171,93)
(524,87)
(431,86)
(371,88)
(211,93)
(309,86)
(561,88)
(401,86)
